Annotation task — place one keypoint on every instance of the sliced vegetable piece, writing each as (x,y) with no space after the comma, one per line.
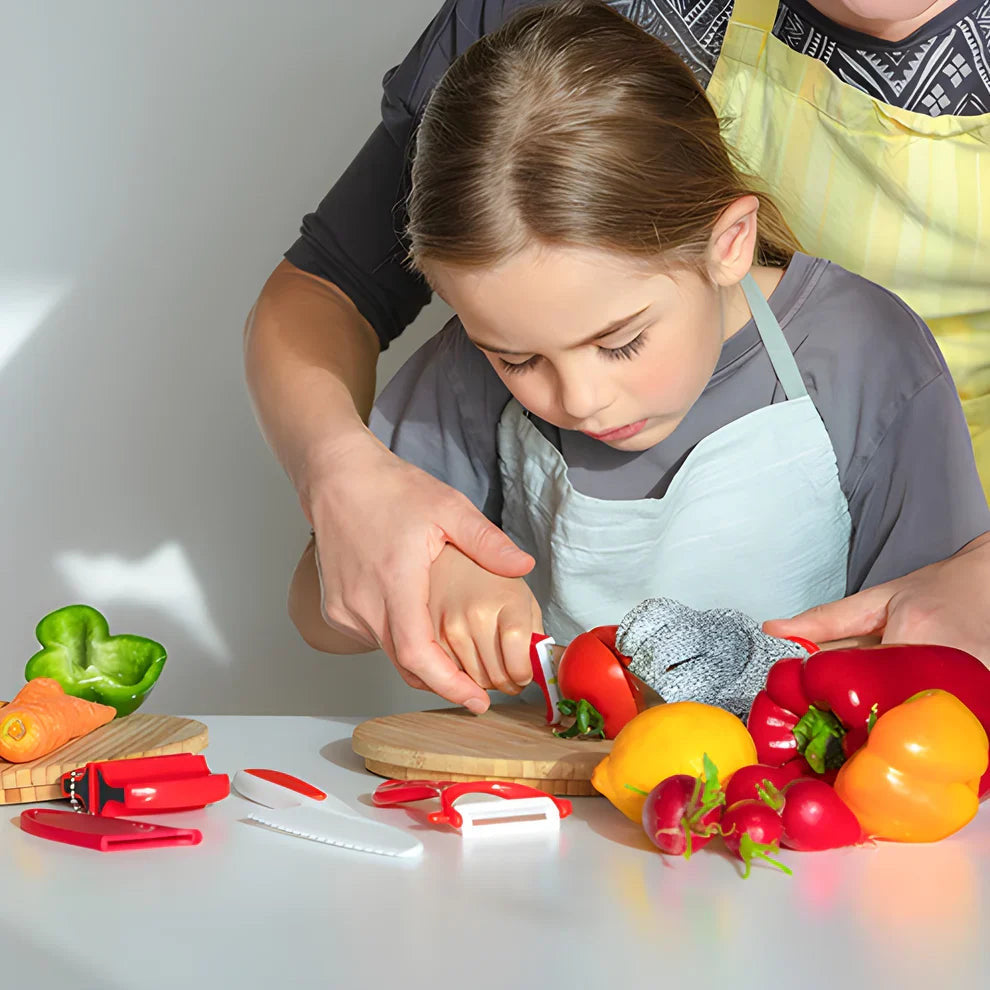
(79,652)
(42,718)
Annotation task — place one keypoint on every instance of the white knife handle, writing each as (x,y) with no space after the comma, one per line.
(270,794)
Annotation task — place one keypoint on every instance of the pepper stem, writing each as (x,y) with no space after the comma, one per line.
(819,739)
(588,721)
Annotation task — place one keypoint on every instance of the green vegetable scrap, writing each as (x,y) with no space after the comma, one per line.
(79,652)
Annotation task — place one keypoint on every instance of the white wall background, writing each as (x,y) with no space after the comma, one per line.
(156,160)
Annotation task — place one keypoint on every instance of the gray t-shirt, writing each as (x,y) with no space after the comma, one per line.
(871,367)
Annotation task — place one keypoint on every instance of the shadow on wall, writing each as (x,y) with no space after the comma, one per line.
(159,177)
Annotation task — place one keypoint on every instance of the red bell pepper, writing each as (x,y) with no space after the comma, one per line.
(823,707)
(593,670)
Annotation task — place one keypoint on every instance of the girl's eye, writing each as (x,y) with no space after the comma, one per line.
(612,353)
(515,369)
(626,350)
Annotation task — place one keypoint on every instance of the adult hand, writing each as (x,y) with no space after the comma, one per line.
(379,524)
(946,603)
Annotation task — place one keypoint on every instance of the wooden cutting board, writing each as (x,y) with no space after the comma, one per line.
(135,735)
(509,742)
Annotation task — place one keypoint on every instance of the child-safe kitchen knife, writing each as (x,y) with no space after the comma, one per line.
(300,809)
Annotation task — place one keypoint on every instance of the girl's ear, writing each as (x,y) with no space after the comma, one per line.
(732,246)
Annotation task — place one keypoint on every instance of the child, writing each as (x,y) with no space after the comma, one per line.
(647,386)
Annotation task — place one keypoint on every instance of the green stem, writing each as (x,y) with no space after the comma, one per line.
(770,795)
(588,720)
(748,849)
(819,739)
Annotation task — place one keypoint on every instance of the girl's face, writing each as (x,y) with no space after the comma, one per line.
(587,340)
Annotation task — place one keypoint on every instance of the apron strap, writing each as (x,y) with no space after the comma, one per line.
(759,14)
(776,345)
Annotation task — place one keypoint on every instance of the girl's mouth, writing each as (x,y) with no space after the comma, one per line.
(620,433)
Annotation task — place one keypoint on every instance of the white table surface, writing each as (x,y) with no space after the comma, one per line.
(598,907)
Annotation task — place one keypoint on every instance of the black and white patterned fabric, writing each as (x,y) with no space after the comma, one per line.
(943,68)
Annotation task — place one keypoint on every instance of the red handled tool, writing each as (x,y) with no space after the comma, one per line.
(144,785)
(396,792)
(104,834)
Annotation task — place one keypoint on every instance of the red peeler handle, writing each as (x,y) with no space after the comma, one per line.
(448,814)
(393,792)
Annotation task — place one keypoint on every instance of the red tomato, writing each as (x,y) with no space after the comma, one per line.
(592,668)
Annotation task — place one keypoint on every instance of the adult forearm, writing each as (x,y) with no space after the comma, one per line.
(310,366)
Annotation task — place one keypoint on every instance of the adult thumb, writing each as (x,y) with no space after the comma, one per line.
(487,545)
(862,614)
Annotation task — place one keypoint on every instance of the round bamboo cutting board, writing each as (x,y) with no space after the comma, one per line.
(509,742)
(138,734)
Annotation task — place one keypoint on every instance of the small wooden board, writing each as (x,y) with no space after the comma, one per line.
(135,735)
(509,742)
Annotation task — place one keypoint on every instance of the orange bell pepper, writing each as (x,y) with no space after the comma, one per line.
(917,777)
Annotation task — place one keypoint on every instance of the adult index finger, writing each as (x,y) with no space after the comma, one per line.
(409,642)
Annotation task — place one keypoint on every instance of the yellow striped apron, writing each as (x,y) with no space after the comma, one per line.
(896,196)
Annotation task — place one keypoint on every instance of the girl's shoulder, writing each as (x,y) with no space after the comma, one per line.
(864,330)
(870,363)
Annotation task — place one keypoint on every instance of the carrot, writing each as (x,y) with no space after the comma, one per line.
(42,718)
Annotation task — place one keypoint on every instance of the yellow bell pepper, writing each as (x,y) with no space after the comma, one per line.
(666,740)
(917,777)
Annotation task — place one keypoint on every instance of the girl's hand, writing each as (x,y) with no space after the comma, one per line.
(947,603)
(380,524)
(483,621)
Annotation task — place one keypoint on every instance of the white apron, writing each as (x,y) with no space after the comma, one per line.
(755,519)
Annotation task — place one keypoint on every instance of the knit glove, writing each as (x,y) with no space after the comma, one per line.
(718,657)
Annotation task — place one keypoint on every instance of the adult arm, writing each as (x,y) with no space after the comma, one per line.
(945,602)
(310,358)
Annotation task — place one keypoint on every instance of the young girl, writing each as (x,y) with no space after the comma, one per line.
(647,385)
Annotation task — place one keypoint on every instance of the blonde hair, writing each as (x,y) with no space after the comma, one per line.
(570,125)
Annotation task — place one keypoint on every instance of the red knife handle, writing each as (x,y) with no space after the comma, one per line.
(175,794)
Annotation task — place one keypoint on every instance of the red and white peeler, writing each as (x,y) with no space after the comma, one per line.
(524,808)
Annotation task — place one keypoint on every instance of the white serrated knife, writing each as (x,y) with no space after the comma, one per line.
(300,809)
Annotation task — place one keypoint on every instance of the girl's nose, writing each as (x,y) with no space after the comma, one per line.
(582,395)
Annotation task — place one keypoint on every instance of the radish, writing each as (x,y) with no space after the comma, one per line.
(744,784)
(814,817)
(752,829)
(682,813)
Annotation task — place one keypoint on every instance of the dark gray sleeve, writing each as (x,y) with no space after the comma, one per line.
(354,238)
(919,499)
(440,411)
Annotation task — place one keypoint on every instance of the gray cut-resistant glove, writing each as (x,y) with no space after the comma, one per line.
(718,657)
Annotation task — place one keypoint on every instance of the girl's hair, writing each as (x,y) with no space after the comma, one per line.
(572,126)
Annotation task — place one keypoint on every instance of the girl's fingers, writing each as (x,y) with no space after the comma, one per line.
(458,643)
(516,628)
(486,632)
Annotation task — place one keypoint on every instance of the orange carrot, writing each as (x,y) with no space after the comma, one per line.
(42,718)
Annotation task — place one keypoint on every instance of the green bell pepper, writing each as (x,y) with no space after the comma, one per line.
(79,652)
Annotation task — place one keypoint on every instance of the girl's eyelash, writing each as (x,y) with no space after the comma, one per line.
(626,351)
(515,369)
